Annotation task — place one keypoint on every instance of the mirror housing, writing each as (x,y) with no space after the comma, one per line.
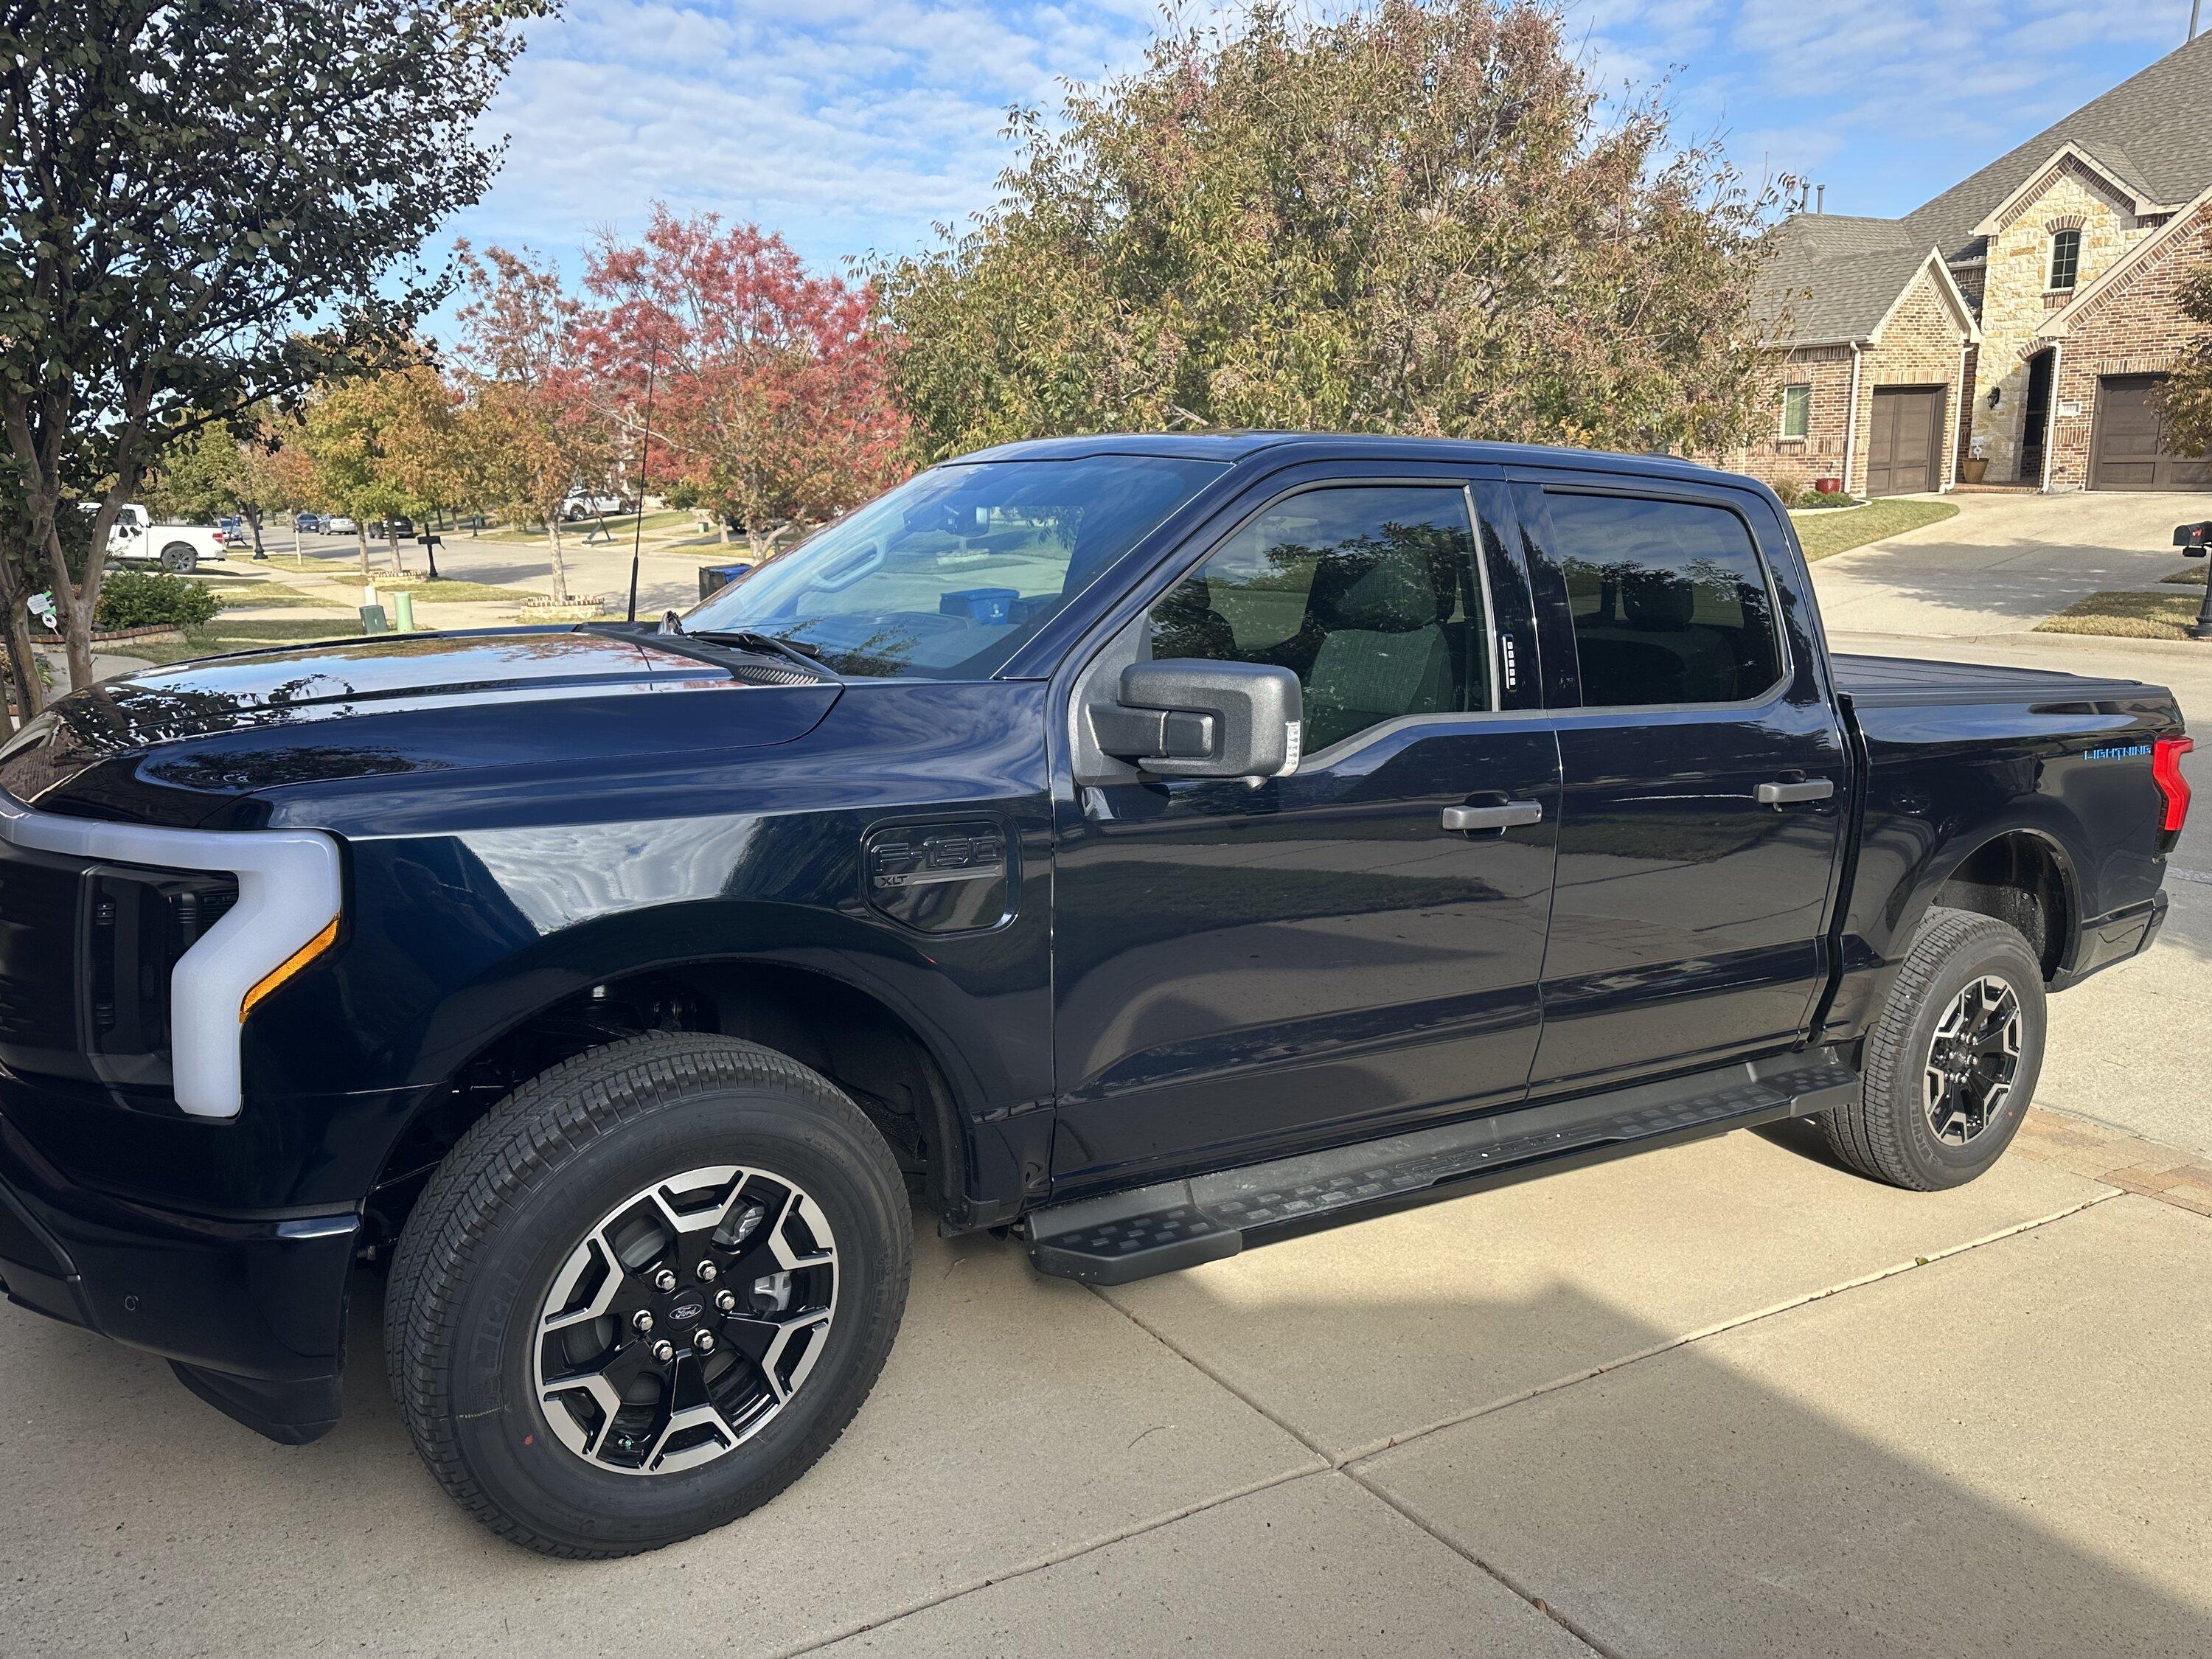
(1194,718)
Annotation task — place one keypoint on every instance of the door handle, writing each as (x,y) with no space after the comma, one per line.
(1494,818)
(1785,794)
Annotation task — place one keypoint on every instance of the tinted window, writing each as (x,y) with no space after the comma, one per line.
(1670,602)
(1370,596)
(947,575)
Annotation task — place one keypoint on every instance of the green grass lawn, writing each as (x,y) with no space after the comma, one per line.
(214,638)
(239,596)
(620,529)
(446,591)
(2131,615)
(1829,531)
(2192,577)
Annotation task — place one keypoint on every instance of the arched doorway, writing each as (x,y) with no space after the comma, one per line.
(2035,417)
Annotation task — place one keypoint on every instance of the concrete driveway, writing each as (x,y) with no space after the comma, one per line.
(2004,564)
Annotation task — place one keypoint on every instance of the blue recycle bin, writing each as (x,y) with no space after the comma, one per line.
(982,604)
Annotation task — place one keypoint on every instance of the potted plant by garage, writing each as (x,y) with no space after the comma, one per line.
(1976,466)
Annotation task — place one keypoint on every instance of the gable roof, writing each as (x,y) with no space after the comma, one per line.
(2185,222)
(1835,277)
(2147,134)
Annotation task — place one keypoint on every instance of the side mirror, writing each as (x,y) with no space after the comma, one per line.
(1192,718)
(2192,538)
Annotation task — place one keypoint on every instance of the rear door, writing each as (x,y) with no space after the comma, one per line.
(1703,777)
(1244,969)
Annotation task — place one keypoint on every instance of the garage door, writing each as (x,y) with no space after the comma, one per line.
(2129,450)
(1907,440)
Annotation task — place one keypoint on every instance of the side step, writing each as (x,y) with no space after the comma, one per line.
(1120,1236)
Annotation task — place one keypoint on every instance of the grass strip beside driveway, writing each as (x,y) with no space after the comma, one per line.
(1831,530)
(2131,615)
(216,638)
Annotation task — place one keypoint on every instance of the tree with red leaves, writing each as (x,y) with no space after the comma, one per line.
(772,399)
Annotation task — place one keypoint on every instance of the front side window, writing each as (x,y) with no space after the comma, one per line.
(2065,258)
(948,574)
(1670,602)
(1370,594)
(1796,410)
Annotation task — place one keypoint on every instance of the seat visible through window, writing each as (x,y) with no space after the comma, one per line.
(1371,595)
(1669,601)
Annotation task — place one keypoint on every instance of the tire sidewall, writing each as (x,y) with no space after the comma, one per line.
(1991,952)
(499,1428)
(180,559)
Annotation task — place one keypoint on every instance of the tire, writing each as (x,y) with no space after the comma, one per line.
(1899,1130)
(571,1175)
(180,558)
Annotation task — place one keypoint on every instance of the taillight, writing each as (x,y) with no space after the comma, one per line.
(219,539)
(2165,755)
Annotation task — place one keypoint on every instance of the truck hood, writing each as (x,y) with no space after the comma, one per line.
(174,744)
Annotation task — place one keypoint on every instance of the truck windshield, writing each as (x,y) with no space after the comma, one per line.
(947,575)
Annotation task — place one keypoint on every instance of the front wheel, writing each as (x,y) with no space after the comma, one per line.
(1953,1059)
(647,1293)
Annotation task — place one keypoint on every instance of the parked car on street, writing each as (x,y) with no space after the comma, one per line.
(179,549)
(310,524)
(587,505)
(1144,848)
(339,523)
(394,529)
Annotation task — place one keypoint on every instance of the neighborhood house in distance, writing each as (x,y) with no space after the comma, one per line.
(2026,315)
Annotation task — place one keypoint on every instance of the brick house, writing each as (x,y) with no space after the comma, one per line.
(2026,315)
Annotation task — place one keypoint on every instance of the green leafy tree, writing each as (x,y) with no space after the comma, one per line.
(203,204)
(2185,399)
(1413,217)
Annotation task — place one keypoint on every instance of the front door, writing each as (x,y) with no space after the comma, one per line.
(1703,776)
(1242,971)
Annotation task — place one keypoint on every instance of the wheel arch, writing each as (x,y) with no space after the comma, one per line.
(904,1075)
(2022,875)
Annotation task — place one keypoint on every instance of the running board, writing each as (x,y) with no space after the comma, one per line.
(1120,1236)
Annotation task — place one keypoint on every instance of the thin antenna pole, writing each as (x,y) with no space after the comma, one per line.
(644,473)
(2193,6)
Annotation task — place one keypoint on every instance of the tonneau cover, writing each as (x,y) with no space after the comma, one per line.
(1879,681)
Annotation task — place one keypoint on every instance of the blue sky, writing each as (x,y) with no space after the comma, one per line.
(853,126)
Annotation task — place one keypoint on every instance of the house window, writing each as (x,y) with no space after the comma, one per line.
(1796,410)
(2065,258)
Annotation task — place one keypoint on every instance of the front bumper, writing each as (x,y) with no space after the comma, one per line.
(249,1313)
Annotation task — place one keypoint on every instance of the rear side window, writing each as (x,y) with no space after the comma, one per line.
(1670,602)
(1370,594)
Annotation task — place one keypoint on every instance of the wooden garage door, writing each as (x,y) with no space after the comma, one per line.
(2129,451)
(1903,451)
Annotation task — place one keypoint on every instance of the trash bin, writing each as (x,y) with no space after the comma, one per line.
(712,577)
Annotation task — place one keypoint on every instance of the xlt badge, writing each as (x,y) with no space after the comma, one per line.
(940,878)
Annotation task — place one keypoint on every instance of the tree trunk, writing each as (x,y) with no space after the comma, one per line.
(23,664)
(362,536)
(391,540)
(560,561)
(253,524)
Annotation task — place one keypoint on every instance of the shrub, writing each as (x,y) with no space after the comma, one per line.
(146,598)
(1789,489)
(1826,498)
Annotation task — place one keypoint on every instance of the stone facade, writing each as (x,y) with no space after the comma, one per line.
(1920,345)
(2133,327)
(2016,298)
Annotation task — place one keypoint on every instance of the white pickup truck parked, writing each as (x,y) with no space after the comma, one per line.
(174,547)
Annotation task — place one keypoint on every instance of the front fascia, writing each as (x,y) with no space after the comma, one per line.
(290,888)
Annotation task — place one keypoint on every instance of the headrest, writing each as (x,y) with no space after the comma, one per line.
(1659,601)
(1383,592)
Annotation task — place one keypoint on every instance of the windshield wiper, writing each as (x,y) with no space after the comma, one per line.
(797,651)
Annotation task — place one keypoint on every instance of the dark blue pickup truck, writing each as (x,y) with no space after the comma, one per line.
(1144,848)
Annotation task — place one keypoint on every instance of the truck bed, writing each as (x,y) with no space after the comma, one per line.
(1889,682)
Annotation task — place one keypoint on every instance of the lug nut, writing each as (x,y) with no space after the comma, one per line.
(640,1321)
(664,1281)
(726,1302)
(703,1341)
(706,1273)
(664,1350)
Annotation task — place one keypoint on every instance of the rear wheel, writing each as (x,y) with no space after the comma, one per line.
(181,558)
(645,1293)
(1951,1062)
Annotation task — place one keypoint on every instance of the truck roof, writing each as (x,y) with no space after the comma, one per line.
(1231,446)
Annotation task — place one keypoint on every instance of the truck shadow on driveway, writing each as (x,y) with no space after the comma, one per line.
(1990,1455)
